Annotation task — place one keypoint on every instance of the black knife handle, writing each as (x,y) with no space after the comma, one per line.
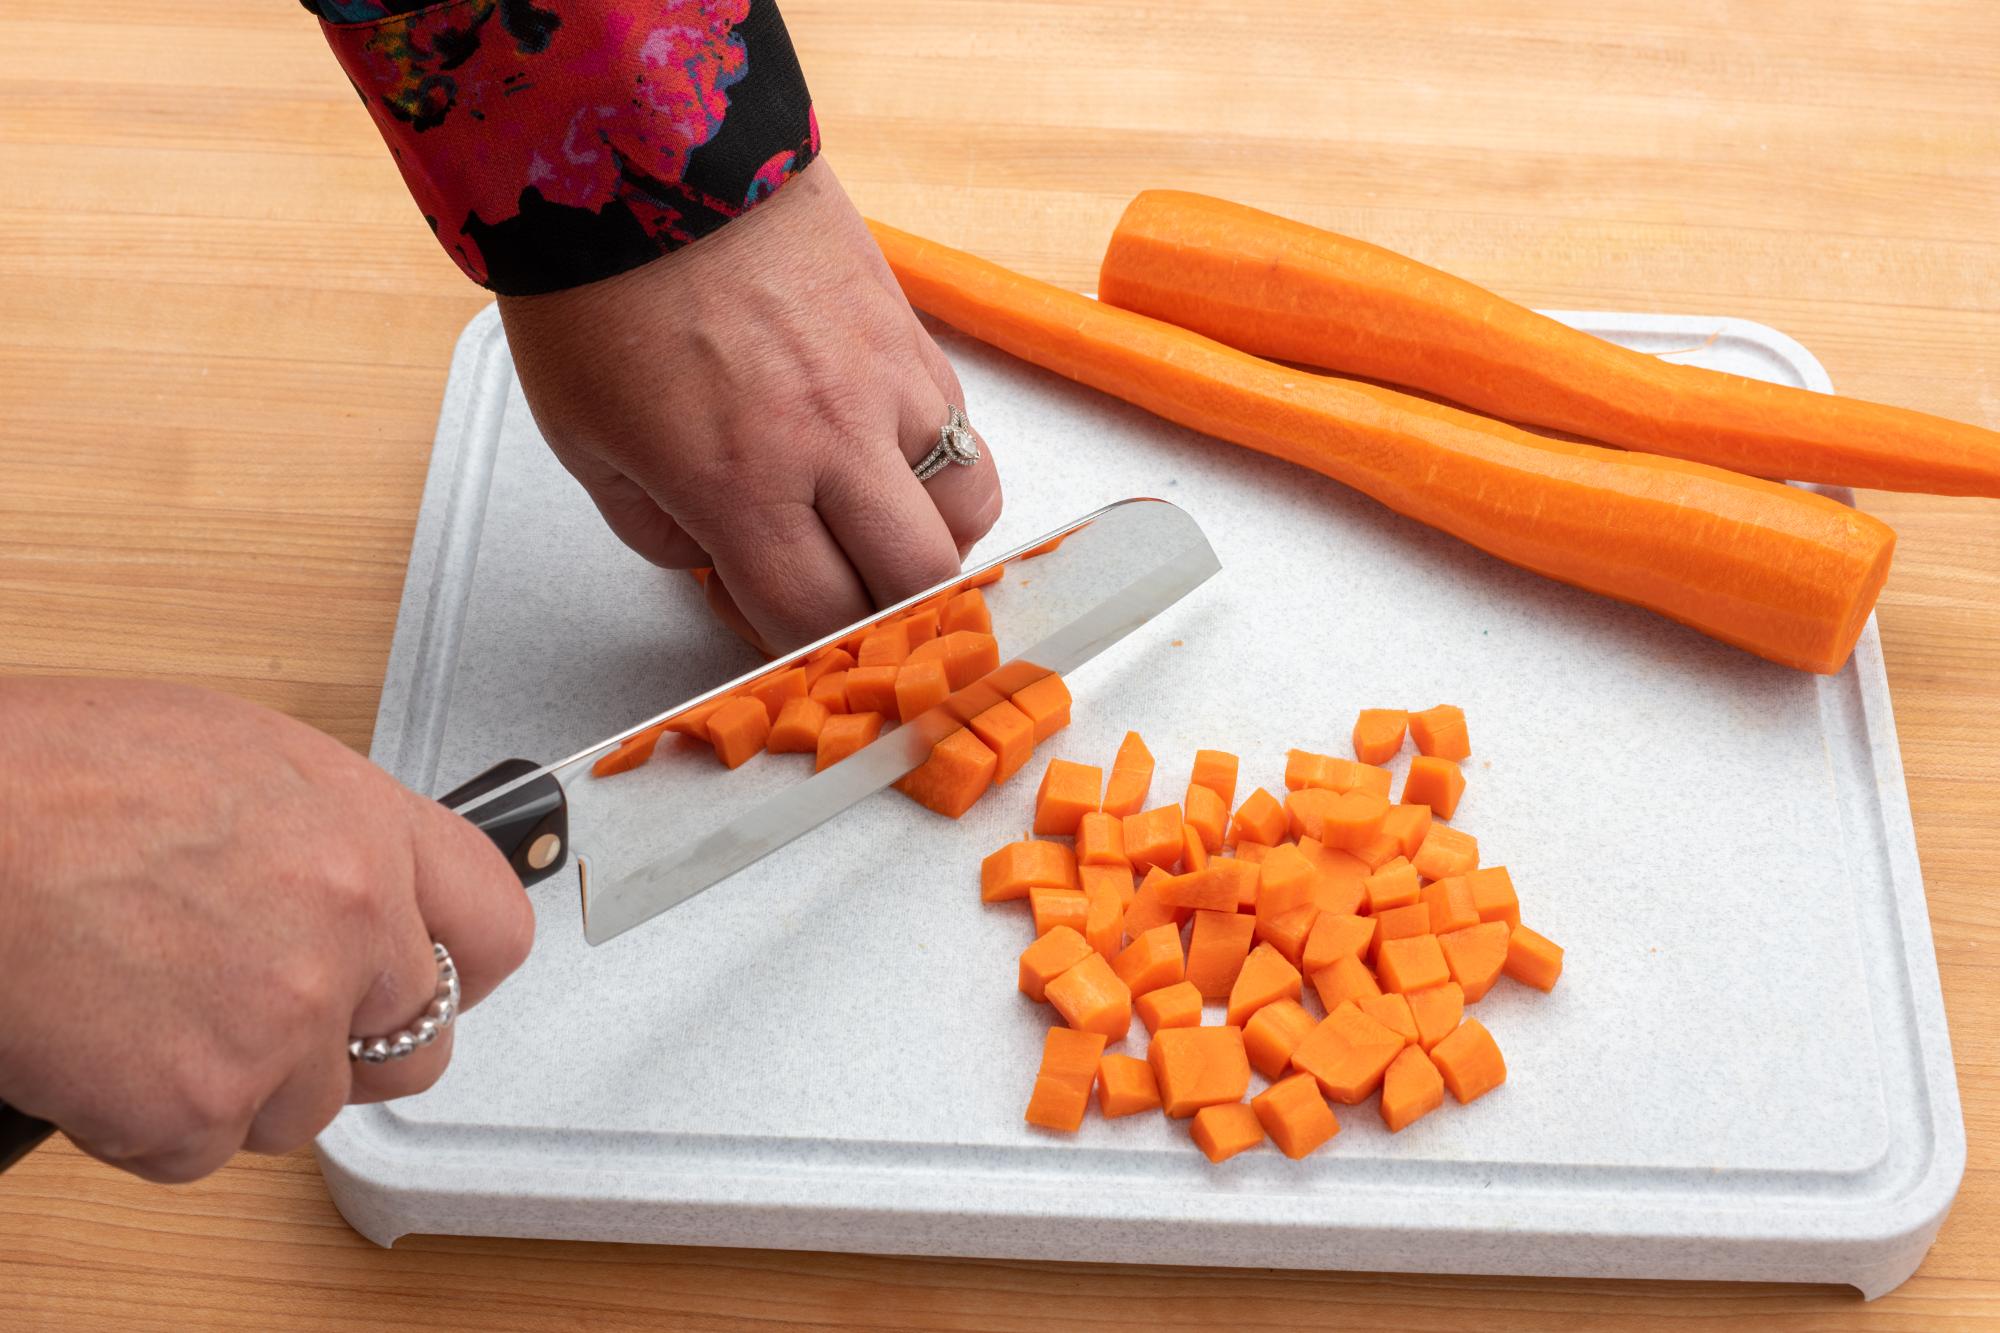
(530,824)
(20,1134)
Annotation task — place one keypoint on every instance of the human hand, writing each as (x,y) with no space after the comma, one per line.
(200,901)
(754,403)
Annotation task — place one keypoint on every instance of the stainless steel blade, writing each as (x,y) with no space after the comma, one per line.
(1107,574)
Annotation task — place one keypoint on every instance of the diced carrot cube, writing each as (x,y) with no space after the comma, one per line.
(1437,1010)
(1377,852)
(1345,979)
(738,729)
(1058,907)
(1206,813)
(1335,936)
(1347,1052)
(1005,730)
(1046,702)
(629,755)
(1153,838)
(1246,850)
(1450,904)
(920,687)
(1475,956)
(1147,911)
(773,691)
(830,691)
(1194,856)
(1029,864)
(1394,885)
(1017,675)
(1048,958)
(1217,948)
(1446,852)
(1285,879)
(1437,783)
(1305,769)
(1289,931)
(957,774)
(1411,964)
(1400,923)
(1131,777)
(985,578)
(1090,997)
(1353,819)
(1116,880)
(824,663)
(1265,977)
(1338,886)
(1152,960)
(1125,1086)
(1062,1087)
(694,721)
(1100,840)
(1407,824)
(1470,1061)
(1411,1089)
(1215,770)
(1533,960)
(1372,781)
(1440,731)
(1378,734)
(1197,1067)
(1295,1115)
(922,624)
(1068,793)
(1223,1131)
(797,729)
(1259,819)
(1175,1006)
(1104,909)
(885,645)
(967,610)
(872,689)
(843,734)
(1272,1034)
(1218,887)
(968,656)
(1493,895)
(1392,1011)
(1306,810)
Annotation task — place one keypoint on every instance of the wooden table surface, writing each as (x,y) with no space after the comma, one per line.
(224,331)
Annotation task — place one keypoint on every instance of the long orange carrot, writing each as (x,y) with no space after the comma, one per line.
(1785,573)
(1285,290)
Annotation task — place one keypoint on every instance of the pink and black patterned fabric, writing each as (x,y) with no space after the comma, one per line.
(557,143)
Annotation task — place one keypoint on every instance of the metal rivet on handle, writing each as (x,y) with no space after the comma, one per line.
(543,852)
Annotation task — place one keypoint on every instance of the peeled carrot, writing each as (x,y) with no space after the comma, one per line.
(1407,824)
(1475,956)
(1047,958)
(1215,770)
(1353,819)
(1412,964)
(1296,293)
(920,687)
(1289,931)
(1217,948)
(1394,885)
(1470,1061)
(1116,880)
(1347,1052)
(1005,730)
(1411,1089)
(1336,935)
(968,656)
(773,691)
(1050,908)
(1068,793)
(1437,783)
(1437,1011)
(1303,769)
(872,689)
(738,729)
(1392,1011)
(1046,703)
(1131,777)
(922,625)
(1152,961)
(1284,881)
(1272,1034)
(1062,1086)
(1029,864)
(1450,904)
(1260,819)
(830,690)
(1175,1006)
(1104,910)
(1338,886)
(1100,840)
(1218,887)
(1264,978)
(796,730)
(1294,1114)
(1378,734)
(1125,1086)
(1533,960)
(1223,1131)
(843,734)
(966,610)
(1493,895)
(1782,572)
(1346,979)
(1147,911)
(1153,838)
(1091,998)
(1446,852)
(1372,778)
(885,645)
(1400,923)
(1377,851)
(1440,733)
(1206,813)
(1194,853)
(958,772)
(1198,1067)
(1306,810)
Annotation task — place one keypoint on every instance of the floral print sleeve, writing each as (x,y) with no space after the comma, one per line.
(551,144)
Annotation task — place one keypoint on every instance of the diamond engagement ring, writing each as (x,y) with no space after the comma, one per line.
(444,1008)
(956,444)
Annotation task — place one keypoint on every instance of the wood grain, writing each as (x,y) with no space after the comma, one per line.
(223,333)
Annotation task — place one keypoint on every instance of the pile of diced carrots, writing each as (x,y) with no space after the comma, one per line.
(940,652)
(1383,907)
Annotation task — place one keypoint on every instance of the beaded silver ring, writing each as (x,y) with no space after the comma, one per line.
(443,1009)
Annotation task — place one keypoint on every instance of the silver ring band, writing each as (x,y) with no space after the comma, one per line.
(443,1009)
(956,444)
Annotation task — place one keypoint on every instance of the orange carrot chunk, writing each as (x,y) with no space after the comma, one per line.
(629,755)
(1347,1052)
(1154,837)
(1392,1011)
(1450,904)
(1115,879)
(1197,1067)
(738,729)
(872,689)
(1446,852)
(1220,886)
(1440,732)
(1005,730)
(1533,960)
(1215,770)
(1437,1011)
(885,645)
(694,721)
(1091,998)
(1125,1086)
(1378,734)
(1470,1061)
(1100,840)
(1493,895)
(1335,936)
(1400,923)
(1175,1006)
(1407,824)
(773,691)
(920,686)
(1372,780)
(797,729)
(1152,960)
(1048,958)
(1306,810)
(1062,1087)
(1285,880)
(824,663)
(968,655)
(1068,793)
(1437,783)
(1058,907)
(1223,1131)
(1411,1089)
(958,773)
(1305,769)
(922,625)
(1295,1115)
(1104,908)
(1338,886)
(830,691)
(1029,864)
(1147,911)
(843,734)
(1475,956)
(967,610)
(1271,1035)
(1345,980)
(1412,964)
(1217,948)
(1264,978)
(1354,818)
(1394,885)
(1194,855)
(1288,932)
(1046,702)
(1206,813)
(1131,777)
(1377,851)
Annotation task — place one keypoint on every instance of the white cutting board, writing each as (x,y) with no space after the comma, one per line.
(1744,1072)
